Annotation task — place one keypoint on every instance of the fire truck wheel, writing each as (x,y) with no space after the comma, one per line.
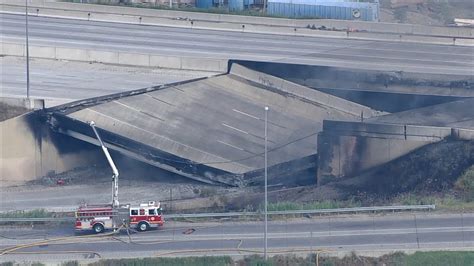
(98,228)
(142,226)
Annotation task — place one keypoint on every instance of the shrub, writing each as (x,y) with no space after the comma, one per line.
(465,184)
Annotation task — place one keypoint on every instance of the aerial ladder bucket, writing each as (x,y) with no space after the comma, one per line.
(115,175)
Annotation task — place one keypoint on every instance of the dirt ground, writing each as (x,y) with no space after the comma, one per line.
(138,182)
(430,170)
(429,12)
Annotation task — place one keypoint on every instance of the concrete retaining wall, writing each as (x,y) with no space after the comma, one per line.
(349,148)
(370,30)
(462,133)
(119,58)
(29,150)
(13,107)
(29,104)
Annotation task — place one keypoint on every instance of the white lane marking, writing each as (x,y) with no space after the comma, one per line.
(236,129)
(230,145)
(315,234)
(154,134)
(158,99)
(139,111)
(240,236)
(226,38)
(273,58)
(246,114)
(129,107)
(292,52)
(305,235)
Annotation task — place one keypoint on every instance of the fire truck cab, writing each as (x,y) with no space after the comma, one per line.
(145,216)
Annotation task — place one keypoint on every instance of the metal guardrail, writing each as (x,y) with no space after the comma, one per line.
(240,214)
(320,211)
(46,219)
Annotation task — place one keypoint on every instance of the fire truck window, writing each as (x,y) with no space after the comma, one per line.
(159,211)
(151,211)
(134,212)
(142,212)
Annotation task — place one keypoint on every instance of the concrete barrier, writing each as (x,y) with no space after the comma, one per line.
(42,52)
(205,64)
(173,14)
(374,36)
(388,131)
(463,42)
(231,22)
(118,58)
(463,134)
(12,49)
(409,38)
(133,59)
(104,57)
(443,31)
(71,54)
(427,39)
(28,104)
(165,61)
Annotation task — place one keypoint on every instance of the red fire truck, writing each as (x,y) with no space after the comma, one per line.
(99,218)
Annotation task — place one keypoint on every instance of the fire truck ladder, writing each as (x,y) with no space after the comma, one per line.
(115,175)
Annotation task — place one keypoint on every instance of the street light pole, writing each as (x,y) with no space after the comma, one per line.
(27,53)
(266,184)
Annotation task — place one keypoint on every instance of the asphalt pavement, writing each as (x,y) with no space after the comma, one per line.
(60,82)
(361,233)
(379,55)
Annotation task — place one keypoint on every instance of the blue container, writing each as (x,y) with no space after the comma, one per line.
(236,5)
(204,3)
(248,3)
(324,9)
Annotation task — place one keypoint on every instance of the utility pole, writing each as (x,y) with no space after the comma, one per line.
(27,53)
(266,185)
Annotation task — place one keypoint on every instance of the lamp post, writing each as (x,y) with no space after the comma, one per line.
(27,53)
(266,191)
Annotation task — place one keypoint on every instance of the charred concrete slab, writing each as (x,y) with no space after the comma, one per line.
(29,149)
(453,114)
(210,129)
(349,148)
(280,173)
(11,107)
(382,90)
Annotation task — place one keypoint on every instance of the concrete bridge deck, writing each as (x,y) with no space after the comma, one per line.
(210,128)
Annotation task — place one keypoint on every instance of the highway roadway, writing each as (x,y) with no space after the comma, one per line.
(61,32)
(60,82)
(361,233)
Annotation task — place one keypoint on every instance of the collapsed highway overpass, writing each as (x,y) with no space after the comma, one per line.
(390,91)
(212,129)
